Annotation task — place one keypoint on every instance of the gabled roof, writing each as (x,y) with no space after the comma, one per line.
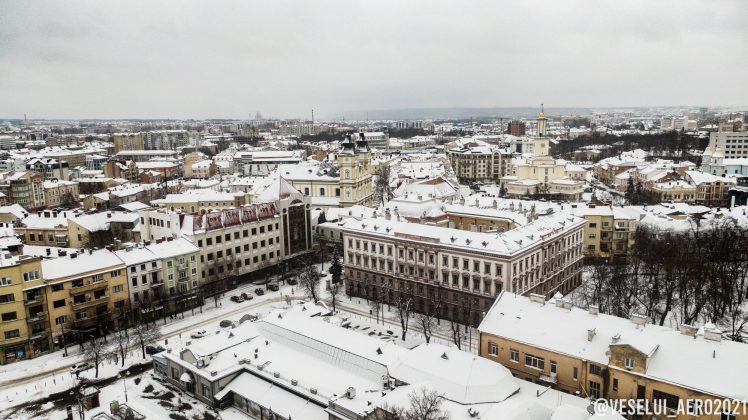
(692,362)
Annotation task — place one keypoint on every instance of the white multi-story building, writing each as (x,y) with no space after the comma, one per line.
(460,271)
(733,144)
(480,163)
(263,162)
(238,241)
(166,139)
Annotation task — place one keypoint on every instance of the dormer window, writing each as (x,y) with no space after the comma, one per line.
(629,363)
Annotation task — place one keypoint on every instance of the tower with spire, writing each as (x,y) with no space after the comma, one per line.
(542,123)
(540,142)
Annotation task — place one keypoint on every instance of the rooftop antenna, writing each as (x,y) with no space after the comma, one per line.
(312,116)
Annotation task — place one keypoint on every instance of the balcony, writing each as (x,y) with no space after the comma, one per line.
(90,302)
(36,300)
(39,316)
(89,287)
(40,333)
(552,378)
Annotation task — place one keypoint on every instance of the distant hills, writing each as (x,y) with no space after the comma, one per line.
(454,113)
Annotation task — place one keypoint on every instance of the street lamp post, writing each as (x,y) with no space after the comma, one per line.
(124,383)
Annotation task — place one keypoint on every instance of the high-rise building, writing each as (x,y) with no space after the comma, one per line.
(516,128)
(128,141)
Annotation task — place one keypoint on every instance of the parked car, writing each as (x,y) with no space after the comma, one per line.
(80,367)
(247,296)
(237,299)
(154,349)
(198,334)
(226,323)
(292,282)
(274,287)
(259,292)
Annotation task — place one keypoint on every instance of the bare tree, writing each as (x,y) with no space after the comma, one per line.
(458,333)
(94,351)
(382,190)
(404,306)
(375,303)
(121,343)
(309,277)
(423,404)
(336,277)
(145,334)
(427,319)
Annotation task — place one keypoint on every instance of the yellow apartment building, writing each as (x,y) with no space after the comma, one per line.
(609,231)
(24,326)
(87,293)
(593,355)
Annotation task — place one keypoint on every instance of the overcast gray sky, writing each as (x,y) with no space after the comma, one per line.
(181,59)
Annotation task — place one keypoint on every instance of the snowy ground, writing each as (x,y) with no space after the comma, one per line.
(24,383)
(358,312)
(31,380)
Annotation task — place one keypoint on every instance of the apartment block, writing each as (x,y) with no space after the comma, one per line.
(128,141)
(590,354)
(24,324)
(473,163)
(86,293)
(61,193)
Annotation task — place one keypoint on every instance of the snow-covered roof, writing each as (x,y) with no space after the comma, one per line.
(173,248)
(695,363)
(309,171)
(134,206)
(101,221)
(135,255)
(269,395)
(506,243)
(84,262)
(278,189)
(47,219)
(458,375)
(435,187)
(698,178)
(413,205)
(15,209)
(194,196)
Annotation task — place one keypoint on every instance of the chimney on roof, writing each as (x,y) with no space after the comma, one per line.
(639,319)
(49,251)
(594,309)
(73,255)
(688,330)
(387,215)
(712,334)
(537,298)
(591,334)
(109,215)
